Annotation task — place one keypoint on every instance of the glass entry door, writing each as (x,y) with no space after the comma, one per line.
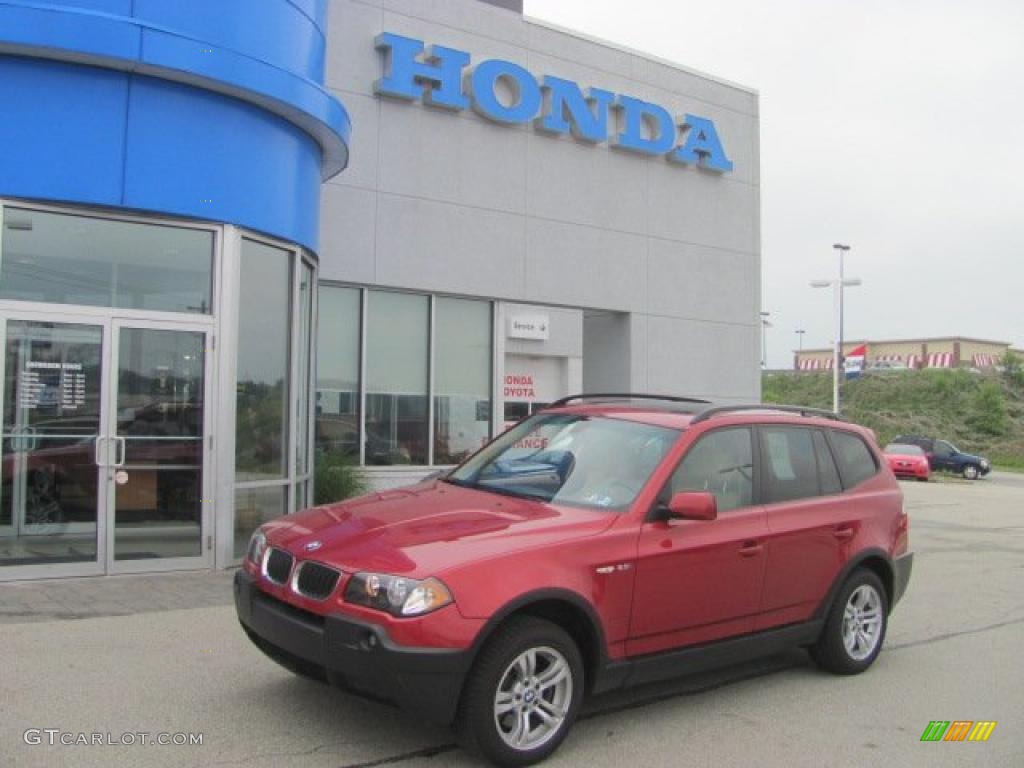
(157,478)
(53,419)
(105,446)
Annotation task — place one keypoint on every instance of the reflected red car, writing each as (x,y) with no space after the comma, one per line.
(908,461)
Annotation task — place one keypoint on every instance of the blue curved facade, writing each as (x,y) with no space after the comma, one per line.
(212,110)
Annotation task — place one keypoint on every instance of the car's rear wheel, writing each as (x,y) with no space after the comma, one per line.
(523,693)
(971,472)
(855,628)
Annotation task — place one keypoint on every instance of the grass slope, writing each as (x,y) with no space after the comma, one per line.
(979,414)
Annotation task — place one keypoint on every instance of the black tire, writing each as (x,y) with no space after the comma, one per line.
(476,725)
(922,479)
(830,652)
(971,472)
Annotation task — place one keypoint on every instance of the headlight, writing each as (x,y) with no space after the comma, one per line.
(397,595)
(257,546)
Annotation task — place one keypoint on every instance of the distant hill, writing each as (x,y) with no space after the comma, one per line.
(978,413)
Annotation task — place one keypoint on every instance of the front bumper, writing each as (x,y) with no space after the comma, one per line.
(352,654)
(901,568)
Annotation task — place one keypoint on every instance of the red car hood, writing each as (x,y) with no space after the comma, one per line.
(422,530)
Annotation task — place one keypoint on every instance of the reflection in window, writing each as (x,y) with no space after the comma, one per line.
(791,469)
(722,463)
(253,507)
(397,336)
(51,419)
(570,459)
(261,432)
(462,378)
(337,359)
(856,462)
(65,259)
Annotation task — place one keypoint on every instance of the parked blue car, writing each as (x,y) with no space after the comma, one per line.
(945,457)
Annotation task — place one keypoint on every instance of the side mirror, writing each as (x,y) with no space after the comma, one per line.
(693,505)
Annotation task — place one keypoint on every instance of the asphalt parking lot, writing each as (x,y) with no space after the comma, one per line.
(953,653)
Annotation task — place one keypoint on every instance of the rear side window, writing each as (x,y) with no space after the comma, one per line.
(827,471)
(790,465)
(856,462)
(721,462)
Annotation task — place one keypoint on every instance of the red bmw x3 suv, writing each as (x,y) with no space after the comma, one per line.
(607,541)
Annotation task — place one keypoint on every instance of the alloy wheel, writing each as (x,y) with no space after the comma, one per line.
(533,698)
(862,622)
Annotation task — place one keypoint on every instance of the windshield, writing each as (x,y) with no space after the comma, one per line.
(570,459)
(906,450)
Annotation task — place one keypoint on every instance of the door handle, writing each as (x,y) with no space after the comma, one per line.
(843,533)
(122,450)
(100,440)
(751,548)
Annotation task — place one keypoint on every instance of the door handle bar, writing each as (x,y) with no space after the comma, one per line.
(100,440)
(122,451)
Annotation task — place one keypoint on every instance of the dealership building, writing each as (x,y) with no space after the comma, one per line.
(241,238)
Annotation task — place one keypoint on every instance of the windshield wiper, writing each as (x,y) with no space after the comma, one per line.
(498,490)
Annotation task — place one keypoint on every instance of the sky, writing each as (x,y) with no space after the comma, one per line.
(895,127)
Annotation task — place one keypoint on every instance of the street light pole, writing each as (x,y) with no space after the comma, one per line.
(800,336)
(837,362)
(837,298)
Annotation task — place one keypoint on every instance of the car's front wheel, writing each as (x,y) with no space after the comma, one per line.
(855,628)
(971,472)
(522,694)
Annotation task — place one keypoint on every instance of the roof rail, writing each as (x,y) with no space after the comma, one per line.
(626,396)
(708,413)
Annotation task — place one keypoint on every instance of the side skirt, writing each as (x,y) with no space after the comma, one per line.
(700,658)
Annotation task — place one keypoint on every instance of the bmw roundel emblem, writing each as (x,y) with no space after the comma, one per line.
(313,546)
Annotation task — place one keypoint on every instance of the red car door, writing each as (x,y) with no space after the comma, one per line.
(698,581)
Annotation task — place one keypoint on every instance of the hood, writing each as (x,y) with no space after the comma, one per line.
(425,529)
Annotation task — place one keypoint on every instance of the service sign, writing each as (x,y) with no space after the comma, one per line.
(442,77)
(535,327)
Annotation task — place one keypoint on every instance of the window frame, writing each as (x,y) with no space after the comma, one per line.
(755,457)
(298,259)
(432,298)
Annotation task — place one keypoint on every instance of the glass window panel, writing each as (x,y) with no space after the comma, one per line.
(721,462)
(54,257)
(856,462)
(264,322)
(337,359)
(828,475)
(253,507)
(302,390)
(462,378)
(397,334)
(160,402)
(51,419)
(791,469)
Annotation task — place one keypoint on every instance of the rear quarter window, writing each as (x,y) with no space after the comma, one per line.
(856,461)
